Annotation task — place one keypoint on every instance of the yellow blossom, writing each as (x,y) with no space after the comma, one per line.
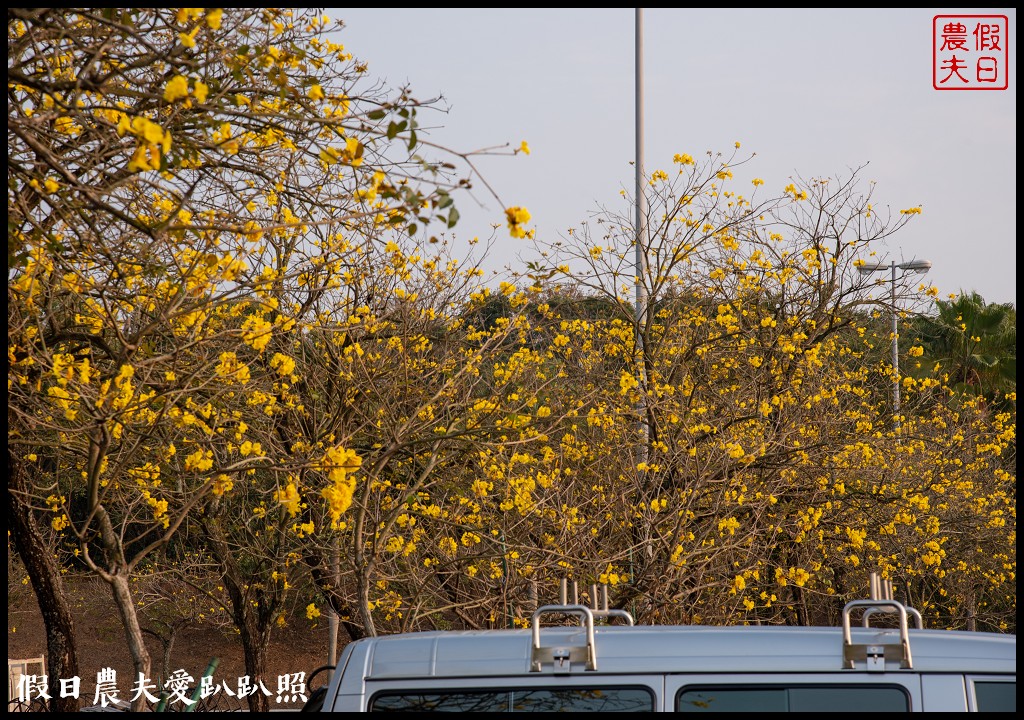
(176,88)
(289,497)
(517,217)
(222,484)
(201,91)
(189,39)
(283,364)
(250,448)
(186,14)
(199,461)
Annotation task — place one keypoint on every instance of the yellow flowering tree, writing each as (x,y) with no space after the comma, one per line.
(188,189)
(410,379)
(722,439)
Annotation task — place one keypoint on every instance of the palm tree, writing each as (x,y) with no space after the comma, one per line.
(975,343)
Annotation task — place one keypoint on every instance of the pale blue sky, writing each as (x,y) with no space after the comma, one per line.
(813,92)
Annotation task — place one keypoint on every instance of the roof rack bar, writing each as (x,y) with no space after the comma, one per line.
(615,612)
(918,620)
(876,591)
(563,592)
(881,589)
(560,655)
(598,593)
(875,654)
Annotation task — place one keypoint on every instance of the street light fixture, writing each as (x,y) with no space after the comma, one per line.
(919,266)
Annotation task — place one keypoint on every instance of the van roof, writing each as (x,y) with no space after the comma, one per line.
(660,649)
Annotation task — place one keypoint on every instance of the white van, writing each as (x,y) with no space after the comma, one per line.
(592,667)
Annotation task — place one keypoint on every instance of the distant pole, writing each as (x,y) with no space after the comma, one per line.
(919,266)
(895,348)
(332,616)
(641,232)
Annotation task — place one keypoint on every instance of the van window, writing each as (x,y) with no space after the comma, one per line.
(576,699)
(995,696)
(777,698)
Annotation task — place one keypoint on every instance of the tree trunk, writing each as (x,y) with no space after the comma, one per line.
(251,610)
(133,632)
(971,606)
(44,574)
(800,606)
(115,572)
(365,614)
(327,580)
(167,643)
(255,641)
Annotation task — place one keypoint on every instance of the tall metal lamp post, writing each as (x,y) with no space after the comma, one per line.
(920,266)
(641,232)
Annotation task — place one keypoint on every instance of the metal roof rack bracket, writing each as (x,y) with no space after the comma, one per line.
(562,656)
(876,654)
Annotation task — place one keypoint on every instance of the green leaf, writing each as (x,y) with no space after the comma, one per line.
(376,114)
(395,128)
(412,139)
(412,229)
(453,217)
